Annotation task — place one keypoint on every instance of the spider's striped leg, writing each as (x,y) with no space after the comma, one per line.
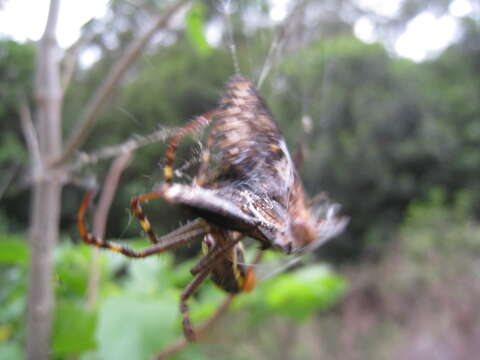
(184,235)
(213,256)
(142,219)
(193,125)
(186,293)
(206,268)
(189,332)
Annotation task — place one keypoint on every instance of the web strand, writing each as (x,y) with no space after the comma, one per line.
(278,42)
(230,40)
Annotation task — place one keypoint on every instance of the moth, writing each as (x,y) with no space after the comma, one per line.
(246,186)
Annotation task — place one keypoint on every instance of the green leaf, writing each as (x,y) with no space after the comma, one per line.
(305,291)
(11,351)
(90,355)
(135,328)
(195,28)
(150,277)
(72,266)
(73,329)
(13,250)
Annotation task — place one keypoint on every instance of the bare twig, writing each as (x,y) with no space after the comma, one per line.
(116,150)
(109,189)
(104,91)
(70,60)
(100,221)
(31,138)
(94,275)
(107,152)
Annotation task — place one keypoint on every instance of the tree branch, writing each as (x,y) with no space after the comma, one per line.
(104,91)
(100,222)
(122,148)
(31,139)
(108,152)
(70,60)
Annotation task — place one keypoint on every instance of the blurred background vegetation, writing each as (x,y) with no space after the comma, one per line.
(396,142)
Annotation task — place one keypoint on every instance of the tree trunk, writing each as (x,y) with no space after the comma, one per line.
(45,203)
(47,169)
(43,237)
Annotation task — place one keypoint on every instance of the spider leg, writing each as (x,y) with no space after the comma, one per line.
(205,266)
(206,269)
(142,219)
(181,236)
(213,256)
(206,325)
(186,294)
(193,125)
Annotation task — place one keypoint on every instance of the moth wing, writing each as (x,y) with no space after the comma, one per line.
(208,204)
(249,144)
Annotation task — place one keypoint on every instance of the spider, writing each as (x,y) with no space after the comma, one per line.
(250,188)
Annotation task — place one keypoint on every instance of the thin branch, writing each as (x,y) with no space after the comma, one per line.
(100,222)
(107,152)
(127,146)
(70,60)
(101,95)
(31,138)
(109,189)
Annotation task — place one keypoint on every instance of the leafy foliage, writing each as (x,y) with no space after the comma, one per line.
(137,314)
(195,34)
(303,292)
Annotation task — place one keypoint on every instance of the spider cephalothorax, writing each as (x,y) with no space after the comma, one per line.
(246,185)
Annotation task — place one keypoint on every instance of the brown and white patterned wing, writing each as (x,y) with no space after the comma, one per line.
(250,145)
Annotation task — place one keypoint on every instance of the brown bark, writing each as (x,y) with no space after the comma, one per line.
(45,207)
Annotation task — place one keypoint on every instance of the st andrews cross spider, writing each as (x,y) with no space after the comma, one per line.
(249,189)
